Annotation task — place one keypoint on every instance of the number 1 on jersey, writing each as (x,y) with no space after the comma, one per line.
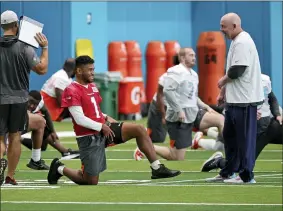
(95,107)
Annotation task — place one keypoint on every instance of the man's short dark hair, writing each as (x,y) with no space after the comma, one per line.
(176,60)
(35,94)
(8,26)
(83,60)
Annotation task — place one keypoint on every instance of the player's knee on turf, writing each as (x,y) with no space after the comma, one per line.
(91,180)
(177,154)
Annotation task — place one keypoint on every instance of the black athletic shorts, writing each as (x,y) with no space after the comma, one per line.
(12,118)
(46,133)
(275,132)
(117,129)
(199,117)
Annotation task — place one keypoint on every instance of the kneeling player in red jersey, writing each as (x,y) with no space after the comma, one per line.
(95,130)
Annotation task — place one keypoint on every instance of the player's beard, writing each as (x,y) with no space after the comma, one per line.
(87,79)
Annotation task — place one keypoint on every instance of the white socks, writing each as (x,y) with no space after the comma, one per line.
(155,165)
(35,154)
(212,132)
(60,169)
(219,146)
(211,144)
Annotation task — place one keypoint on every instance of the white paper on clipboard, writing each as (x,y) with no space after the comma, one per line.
(28,30)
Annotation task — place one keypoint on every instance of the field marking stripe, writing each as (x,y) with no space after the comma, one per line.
(135,203)
(268,175)
(212,185)
(194,180)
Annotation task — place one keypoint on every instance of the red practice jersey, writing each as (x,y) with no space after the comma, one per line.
(89,99)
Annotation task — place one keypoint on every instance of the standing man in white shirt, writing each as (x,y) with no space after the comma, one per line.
(242,89)
(53,88)
(269,129)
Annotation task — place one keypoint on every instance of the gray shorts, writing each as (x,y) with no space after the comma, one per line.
(92,154)
(180,134)
(156,130)
(199,117)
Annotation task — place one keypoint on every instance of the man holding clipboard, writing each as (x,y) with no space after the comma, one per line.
(17,59)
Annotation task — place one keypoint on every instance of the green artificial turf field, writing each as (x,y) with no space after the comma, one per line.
(126,184)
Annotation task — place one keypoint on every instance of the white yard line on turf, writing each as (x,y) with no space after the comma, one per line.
(213,185)
(28,187)
(173,182)
(196,182)
(136,203)
(268,175)
(42,184)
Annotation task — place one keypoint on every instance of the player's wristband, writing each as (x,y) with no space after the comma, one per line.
(45,47)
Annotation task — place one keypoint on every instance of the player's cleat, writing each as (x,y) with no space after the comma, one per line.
(53,174)
(219,178)
(10,181)
(138,155)
(212,162)
(238,180)
(163,172)
(196,139)
(3,166)
(71,152)
(38,165)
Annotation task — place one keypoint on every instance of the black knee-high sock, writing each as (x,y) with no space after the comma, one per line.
(27,142)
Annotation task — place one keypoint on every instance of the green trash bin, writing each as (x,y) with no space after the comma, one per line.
(108,84)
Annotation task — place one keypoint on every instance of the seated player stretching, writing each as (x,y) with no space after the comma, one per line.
(95,130)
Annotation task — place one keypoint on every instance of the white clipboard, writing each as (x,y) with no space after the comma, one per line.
(28,30)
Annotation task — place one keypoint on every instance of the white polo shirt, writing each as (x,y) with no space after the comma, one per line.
(264,109)
(247,88)
(59,80)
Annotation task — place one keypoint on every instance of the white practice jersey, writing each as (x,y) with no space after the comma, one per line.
(264,109)
(59,80)
(181,92)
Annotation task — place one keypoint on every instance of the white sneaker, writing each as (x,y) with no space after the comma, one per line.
(219,178)
(196,139)
(138,155)
(238,180)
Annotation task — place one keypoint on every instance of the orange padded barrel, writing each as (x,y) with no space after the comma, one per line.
(134,63)
(130,95)
(172,48)
(155,67)
(211,53)
(117,57)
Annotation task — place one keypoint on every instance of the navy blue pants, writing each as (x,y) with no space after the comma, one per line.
(239,133)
